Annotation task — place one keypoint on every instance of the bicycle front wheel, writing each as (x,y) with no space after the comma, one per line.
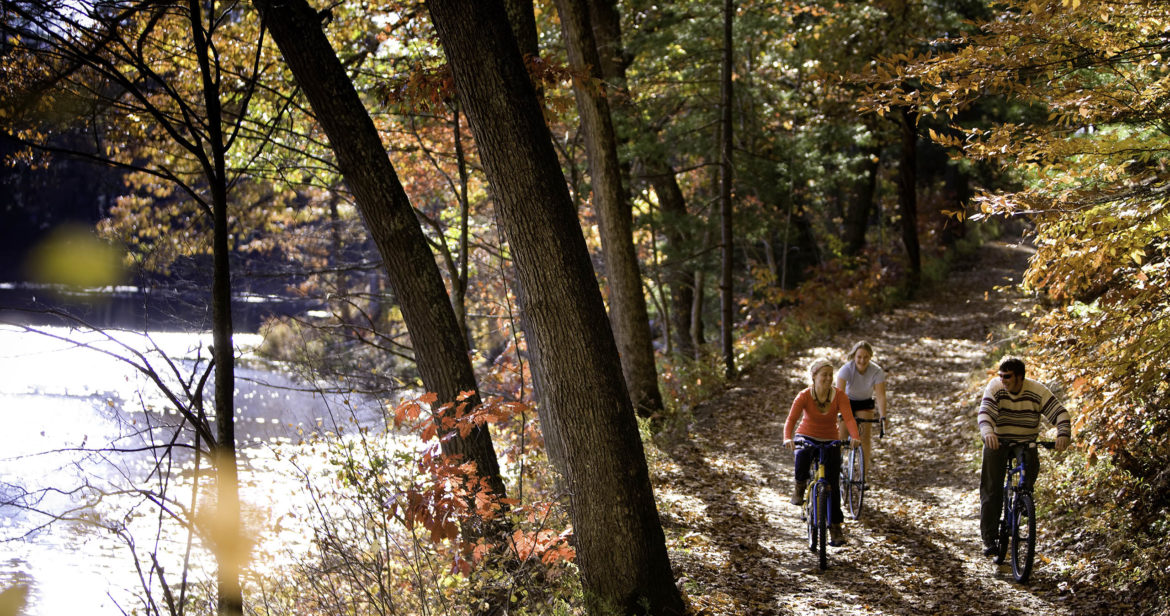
(855,487)
(822,518)
(1005,527)
(810,516)
(1023,538)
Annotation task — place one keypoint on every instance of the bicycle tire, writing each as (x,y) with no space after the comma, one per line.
(810,517)
(855,488)
(1005,530)
(822,518)
(1023,538)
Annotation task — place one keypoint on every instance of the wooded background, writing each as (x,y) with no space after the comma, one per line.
(603,210)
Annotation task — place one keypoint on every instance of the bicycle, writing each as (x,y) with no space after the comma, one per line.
(853,485)
(1018,522)
(816,501)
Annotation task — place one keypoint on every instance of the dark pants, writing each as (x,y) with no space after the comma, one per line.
(991,486)
(804,459)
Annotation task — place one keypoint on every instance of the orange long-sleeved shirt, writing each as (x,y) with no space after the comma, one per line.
(814,423)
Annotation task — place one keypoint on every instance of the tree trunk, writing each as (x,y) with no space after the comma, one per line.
(628,315)
(606,21)
(523,21)
(585,409)
(726,281)
(459,282)
(908,193)
(679,276)
(225,526)
(857,215)
(439,345)
(956,194)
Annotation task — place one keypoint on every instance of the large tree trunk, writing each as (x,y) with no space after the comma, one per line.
(439,345)
(726,280)
(628,316)
(607,33)
(585,409)
(908,192)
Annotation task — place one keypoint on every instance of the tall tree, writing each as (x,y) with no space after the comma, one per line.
(862,203)
(613,60)
(627,314)
(122,61)
(726,278)
(908,191)
(439,344)
(585,409)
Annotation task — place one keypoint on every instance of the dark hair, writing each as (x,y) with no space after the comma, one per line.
(1012,364)
(861,344)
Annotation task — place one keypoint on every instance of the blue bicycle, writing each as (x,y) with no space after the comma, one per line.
(816,500)
(1018,523)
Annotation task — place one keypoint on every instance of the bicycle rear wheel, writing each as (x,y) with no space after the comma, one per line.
(1005,527)
(822,520)
(855,487)
(1023,538)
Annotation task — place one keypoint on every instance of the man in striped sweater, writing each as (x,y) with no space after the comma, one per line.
(1010,412)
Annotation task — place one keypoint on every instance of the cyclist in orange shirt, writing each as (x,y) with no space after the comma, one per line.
(813,417)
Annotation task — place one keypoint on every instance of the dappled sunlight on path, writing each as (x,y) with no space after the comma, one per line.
(739,547)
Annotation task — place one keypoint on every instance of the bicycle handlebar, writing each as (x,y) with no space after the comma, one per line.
(801,443)
(1044,444)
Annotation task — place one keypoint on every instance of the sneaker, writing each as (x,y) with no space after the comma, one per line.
(990,550)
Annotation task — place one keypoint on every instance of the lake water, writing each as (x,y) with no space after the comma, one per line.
(61,404)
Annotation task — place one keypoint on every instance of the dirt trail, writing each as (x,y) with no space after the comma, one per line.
(739,546)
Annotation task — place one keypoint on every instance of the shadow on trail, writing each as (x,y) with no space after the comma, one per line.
(737,533)
(918,572)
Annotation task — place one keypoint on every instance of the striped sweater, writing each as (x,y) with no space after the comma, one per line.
(1016,417)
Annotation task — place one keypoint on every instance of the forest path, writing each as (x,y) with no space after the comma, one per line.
(739,547)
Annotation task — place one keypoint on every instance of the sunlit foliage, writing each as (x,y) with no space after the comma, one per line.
(1095,159)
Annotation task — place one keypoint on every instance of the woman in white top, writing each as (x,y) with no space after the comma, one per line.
(864,383)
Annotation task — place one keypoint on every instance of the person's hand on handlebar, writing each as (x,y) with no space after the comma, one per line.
(790,444)
(1062,443)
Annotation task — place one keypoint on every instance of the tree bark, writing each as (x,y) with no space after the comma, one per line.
(857,215)
(606,21)
(439,345)
(680,277)
(584,407)
(908,193)
(627,314)
(726,280)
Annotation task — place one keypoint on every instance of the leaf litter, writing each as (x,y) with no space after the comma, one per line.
(738,546)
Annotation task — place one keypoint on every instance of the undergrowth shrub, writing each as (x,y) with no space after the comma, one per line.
(398,527)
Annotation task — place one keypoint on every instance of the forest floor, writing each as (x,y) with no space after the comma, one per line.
(738,546)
